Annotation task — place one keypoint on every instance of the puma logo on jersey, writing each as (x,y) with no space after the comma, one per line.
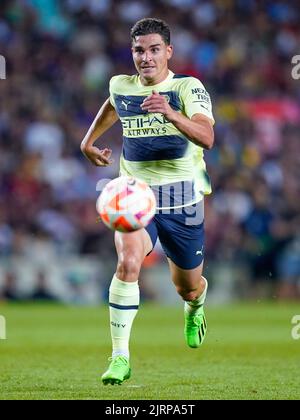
(125,104)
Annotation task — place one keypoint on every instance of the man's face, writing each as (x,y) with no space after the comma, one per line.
(151,55)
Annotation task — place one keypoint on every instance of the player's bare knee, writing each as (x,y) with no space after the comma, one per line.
(129,266)
(187,294)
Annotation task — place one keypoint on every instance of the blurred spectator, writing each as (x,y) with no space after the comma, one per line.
(9,290)
(42,291)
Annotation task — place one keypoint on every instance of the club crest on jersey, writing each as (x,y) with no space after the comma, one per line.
(167,97)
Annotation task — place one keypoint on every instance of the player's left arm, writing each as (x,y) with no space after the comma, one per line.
(198,128)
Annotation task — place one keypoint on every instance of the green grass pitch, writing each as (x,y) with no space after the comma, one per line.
(58,352)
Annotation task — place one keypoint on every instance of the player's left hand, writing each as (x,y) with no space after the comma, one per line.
(157,103)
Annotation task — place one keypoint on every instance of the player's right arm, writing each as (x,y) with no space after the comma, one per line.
(105,119)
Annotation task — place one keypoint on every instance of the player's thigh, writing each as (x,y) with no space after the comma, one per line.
(133,246)
(185,279)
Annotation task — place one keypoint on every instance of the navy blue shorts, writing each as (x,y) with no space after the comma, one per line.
(181,233)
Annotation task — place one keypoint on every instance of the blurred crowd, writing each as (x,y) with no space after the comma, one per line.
(60,56)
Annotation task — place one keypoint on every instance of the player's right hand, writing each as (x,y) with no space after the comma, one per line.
(96,156)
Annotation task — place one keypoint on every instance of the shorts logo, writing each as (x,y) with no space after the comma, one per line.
(199,252)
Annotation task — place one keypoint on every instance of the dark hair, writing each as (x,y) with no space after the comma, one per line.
(151,26)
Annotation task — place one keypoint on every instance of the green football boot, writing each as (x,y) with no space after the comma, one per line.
(195,328)
(117,372)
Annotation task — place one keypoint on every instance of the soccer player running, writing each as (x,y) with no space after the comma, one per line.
(167,122)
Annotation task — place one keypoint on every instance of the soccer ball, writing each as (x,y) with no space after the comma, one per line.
(126,204)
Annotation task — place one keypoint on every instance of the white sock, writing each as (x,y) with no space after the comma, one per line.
(192,307)
(124,299)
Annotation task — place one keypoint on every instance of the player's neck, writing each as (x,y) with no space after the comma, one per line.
(155,81)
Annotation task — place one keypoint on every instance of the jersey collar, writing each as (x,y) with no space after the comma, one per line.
(169,77)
